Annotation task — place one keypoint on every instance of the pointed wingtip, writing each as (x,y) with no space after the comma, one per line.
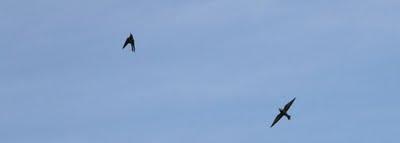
(271,125)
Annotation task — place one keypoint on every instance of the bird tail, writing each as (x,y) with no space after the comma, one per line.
(288,116)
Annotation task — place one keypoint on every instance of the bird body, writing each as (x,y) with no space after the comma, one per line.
(283,112)
(130,40)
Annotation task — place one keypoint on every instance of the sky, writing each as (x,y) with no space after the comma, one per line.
(212,71)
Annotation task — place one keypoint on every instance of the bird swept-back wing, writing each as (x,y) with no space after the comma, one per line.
(287,106)
(126,43)
(277,118)
(133,45)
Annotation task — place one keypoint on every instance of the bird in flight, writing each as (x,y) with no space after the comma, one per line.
(131,41)
(283,112)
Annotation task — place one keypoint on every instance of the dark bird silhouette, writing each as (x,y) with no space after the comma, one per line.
(283,112)
(131,41)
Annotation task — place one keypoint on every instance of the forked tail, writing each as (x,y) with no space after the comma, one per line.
(287,116)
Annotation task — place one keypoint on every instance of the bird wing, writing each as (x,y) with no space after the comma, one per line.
(277,118)
(133,45)
(287,106)
(126,43)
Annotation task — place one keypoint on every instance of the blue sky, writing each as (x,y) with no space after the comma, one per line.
(212,71)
